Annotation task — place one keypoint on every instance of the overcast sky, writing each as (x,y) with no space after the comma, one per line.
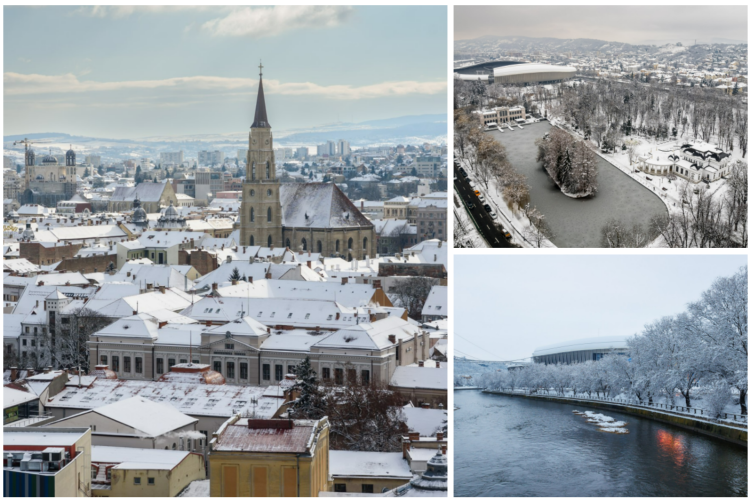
(629,24)
(139,71)
(506,306)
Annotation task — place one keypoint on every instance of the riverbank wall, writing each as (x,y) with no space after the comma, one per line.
(725,432)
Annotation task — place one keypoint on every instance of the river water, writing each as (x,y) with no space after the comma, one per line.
(514,446)
(577,222)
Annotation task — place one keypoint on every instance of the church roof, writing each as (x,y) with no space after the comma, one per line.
(318,205)
(261,119)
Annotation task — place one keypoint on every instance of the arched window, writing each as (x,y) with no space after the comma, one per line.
(252,176)
(268,170)
(52,177)
(364,244)
(252,240)
(269,193)
(350,243)
(304,244)
(252,214)
(252,192)
(269,214)
(35,330)
(270,240)
(337,246)
(320,246)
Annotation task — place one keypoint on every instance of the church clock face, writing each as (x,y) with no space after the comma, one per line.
(254,142)
(266,142)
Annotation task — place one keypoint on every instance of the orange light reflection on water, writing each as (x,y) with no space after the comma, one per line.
(671,445)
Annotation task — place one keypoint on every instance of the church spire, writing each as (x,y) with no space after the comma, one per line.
(261,120)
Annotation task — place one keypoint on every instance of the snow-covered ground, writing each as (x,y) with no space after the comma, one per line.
(472,239)
(605,423)
(199,488)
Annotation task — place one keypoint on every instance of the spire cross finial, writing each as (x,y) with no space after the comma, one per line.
(261,68)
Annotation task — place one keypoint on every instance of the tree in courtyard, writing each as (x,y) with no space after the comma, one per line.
(235,276)
(412,292)
(310,402)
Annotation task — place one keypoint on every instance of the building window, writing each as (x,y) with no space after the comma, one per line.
(127,364)
(338,375)
(138,365)
(339,488)
(229,347)
(365,377)
(136,480)
(252,214)
(326,373)
(243,371)
(320,246)
(152,481)
(269,215)
(171,363)
(279,372)
(367,488)
(230,369)
(159,365)
(217,366)
(266,372)
(116,363)
(270,240)
(351,376)
(103,359)
(23,342)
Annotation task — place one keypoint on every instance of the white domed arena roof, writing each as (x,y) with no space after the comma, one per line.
(592,343)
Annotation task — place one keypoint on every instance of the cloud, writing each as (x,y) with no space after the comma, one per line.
(17,84)
(251,22)
(259,22)
(123,11)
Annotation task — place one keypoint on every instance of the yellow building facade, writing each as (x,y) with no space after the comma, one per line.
(276,458)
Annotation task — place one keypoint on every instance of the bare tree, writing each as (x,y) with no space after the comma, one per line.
(66,340)
(364,416)
(411,292)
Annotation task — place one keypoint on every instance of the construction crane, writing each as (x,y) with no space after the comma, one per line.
(27,142)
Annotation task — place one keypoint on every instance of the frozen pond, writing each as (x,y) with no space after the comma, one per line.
(513,446)
(577,223)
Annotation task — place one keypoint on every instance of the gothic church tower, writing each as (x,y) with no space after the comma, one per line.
(260,214)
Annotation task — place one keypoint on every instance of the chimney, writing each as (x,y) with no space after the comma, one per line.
(162,324)
(437,364)
(413,436)
(268,329)
(128,274)
(439,436)
(135,311)
(421,364)
(29,372)
(405,447)
(317,329)
(268,276)
(41,283)
(162,289)
(376,284)
(244,249)
(434,258)
(309,264)
(392,338)
(234,282)
(214,287)
(344,281)
(47,369)
(426,406)
(209,323)
(13,373)
(250,279)
(149,286)
(338,315)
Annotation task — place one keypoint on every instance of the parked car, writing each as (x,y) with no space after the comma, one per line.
(487,207)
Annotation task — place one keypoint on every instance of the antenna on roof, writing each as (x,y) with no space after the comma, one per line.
(190,361)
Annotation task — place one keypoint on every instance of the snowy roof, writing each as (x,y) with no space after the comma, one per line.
(317,205)
(351,294)
(373,336)
(138,326)
(239,437)
(162,417)
(166,239)
(13,397)
(137,458)
(426,421)
(598,343)
(12,325)
(437,302)
(368,464)
(43,437)
(85,232)
(420,377)
(190,398)
(19,266)
(292,340)
(531,68)
(146,192)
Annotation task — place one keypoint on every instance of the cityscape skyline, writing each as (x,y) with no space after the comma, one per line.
(645,25)
(192,62)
